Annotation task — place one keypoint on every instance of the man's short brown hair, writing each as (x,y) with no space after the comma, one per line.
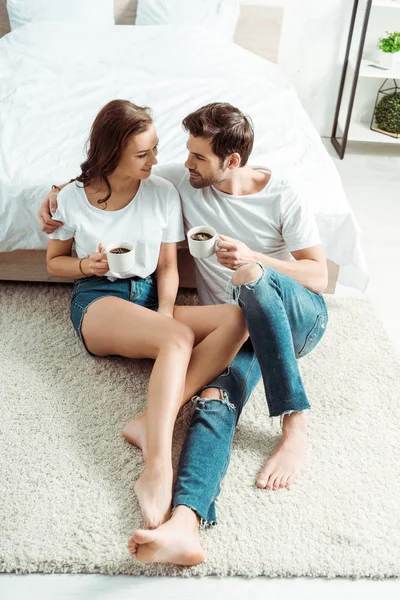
(226,126)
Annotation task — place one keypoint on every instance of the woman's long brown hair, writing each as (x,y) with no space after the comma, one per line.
(109,135)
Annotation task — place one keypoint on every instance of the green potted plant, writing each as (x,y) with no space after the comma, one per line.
(390,49)
(386,117)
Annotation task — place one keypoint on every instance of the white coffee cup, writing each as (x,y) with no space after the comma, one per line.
(121,263)
(202,249)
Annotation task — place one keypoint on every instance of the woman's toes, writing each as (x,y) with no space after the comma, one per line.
(132,547)
(270,483)
(283,482)
(277,483)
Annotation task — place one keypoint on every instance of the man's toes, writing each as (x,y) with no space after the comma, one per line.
(261,482)
(263,477)
(289,480)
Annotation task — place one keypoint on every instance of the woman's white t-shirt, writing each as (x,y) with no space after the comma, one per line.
(153,216)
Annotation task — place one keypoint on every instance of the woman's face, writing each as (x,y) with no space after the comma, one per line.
(140,155)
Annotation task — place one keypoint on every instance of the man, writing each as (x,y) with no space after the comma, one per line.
(271,261)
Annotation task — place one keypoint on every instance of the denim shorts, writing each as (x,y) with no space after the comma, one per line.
(89,289)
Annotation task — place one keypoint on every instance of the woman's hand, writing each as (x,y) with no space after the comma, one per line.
(166,311)
(98,264)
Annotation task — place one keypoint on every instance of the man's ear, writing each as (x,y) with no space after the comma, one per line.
(234,161)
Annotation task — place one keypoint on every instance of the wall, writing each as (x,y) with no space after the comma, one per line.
(311,52)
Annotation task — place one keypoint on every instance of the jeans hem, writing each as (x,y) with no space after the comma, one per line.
(289,411)
(204,524)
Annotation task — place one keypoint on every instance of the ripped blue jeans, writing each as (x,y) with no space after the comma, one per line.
(285,321)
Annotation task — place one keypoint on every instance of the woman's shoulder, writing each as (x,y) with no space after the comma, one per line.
(69,192)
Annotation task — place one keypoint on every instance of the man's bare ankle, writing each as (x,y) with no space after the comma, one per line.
(186,515)
(294,420)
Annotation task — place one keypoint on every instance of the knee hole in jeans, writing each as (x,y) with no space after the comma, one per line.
(248,273)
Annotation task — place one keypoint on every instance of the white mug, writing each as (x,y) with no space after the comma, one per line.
(121,263)
(202,249)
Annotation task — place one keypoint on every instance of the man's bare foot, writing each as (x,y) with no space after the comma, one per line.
(285,464)
(135,433)
(154,492)
(177,541)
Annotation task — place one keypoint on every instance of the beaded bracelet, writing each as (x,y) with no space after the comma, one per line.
(80,267)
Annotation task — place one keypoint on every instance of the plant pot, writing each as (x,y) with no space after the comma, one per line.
(390,60)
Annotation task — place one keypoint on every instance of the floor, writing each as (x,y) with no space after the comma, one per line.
(371,177)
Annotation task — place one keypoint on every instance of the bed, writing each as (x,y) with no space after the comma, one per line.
(55,77)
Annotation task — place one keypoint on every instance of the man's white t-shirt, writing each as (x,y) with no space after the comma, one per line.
(153,216)
(275,221)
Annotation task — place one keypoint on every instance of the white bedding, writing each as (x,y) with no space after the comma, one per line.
(54,78)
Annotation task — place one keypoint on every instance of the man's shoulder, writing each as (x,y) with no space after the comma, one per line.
(176,173)
(277,180)
(160,183)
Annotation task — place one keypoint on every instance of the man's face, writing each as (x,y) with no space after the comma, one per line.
(204,166)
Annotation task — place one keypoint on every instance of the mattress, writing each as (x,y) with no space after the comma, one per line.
(54,78)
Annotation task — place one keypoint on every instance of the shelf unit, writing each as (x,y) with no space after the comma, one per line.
(360,67)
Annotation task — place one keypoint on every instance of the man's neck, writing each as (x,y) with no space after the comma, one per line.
(244,182)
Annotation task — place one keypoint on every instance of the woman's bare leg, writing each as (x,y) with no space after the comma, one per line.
(112,326)
(219,332)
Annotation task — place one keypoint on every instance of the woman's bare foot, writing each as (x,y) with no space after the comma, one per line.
(177,541)
(135,433)
(285,464)
(154,492)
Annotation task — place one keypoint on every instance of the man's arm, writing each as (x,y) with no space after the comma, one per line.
(309,268)
(49,206)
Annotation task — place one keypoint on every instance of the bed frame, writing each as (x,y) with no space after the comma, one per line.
(258,30)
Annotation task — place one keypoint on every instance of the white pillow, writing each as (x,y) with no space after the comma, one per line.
(92,12)
(217,15)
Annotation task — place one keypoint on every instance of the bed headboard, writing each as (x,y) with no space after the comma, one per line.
(258,28)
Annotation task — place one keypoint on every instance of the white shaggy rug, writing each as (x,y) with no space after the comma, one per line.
(66,500)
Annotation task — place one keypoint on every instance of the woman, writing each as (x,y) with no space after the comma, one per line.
(133,314)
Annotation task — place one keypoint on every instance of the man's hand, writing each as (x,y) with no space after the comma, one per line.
(48,206)
(97,262)
(233,253)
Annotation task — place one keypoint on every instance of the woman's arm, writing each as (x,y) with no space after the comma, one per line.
(167,278)
(61,264)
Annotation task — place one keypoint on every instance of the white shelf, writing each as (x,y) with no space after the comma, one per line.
(386,3)
(360,132)
(367,71)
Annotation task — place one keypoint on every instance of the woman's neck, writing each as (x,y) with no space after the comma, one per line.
(119,184)
(123,190)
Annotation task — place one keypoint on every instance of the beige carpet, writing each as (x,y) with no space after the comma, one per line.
(66,500)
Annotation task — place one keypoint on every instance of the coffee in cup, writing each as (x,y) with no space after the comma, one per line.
(121,257)
(119,250)
(201,236)
(202,241)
